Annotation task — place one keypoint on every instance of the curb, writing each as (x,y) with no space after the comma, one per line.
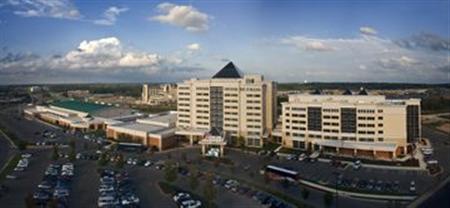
(9,139)
(354,194)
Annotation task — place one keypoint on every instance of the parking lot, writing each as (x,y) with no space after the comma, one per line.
(246,168)
(26,181)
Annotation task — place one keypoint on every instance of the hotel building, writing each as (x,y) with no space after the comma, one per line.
(351,125)
(230,102)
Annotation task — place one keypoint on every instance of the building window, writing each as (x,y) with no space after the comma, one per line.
(315,118)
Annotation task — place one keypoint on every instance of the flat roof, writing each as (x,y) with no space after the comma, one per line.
(160,118)
(79,106)
(135,126)
(113,112)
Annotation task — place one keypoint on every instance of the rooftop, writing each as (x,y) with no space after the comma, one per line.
(79,106)
(229,71)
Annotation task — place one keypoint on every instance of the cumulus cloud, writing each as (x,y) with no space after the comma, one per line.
(110,15)
(367,30)
(62,9)
(105,55)
(187,17)
(193,47)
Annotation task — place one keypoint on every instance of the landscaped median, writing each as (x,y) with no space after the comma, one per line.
(279,194)
(171,190)
(9,166)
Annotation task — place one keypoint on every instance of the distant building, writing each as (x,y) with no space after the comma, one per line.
(230,102)
(351,125)
(159,94)
(78,93)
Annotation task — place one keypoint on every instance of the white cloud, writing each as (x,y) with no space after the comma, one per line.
(110,15)
(187,17)
(367,30)
(402,62)
(63,9)
(101,58)
(107,53)
(193,47)
(364,58)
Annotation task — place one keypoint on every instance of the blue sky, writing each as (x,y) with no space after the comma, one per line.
(60,41)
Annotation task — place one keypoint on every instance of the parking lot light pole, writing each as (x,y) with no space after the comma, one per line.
(336,174)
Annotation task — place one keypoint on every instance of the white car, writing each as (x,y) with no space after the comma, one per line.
(61,193)
(148,163)
(105,188)
(412,187)
(302,157)
(181,195)
(191,204)
(357,165)
(12,177)
(107,201)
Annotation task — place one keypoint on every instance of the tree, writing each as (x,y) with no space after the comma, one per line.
(72,154)
(184,156)
(241,142)
(327,199)
(305,193)
(22,145)
(285,183)
(29,202)
(72,143)
(170,172)
(193,180)
(55,154)
(102,161)
(209,192)
(120,161)
(85,145)
(267,178)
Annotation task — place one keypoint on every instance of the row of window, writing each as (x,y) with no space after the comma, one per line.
(330,110)
(254,95)
(253,108)
(202,94)
(253,114)
(330,124)
(253,120)
(363,139)
(202,123)
(254,101)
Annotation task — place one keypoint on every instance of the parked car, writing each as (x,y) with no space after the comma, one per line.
(302,157)
(107,201)
(412,187)
(191,203)
(148,163)
(181,195)
(357,165)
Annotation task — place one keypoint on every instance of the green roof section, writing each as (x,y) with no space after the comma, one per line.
(79,106)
